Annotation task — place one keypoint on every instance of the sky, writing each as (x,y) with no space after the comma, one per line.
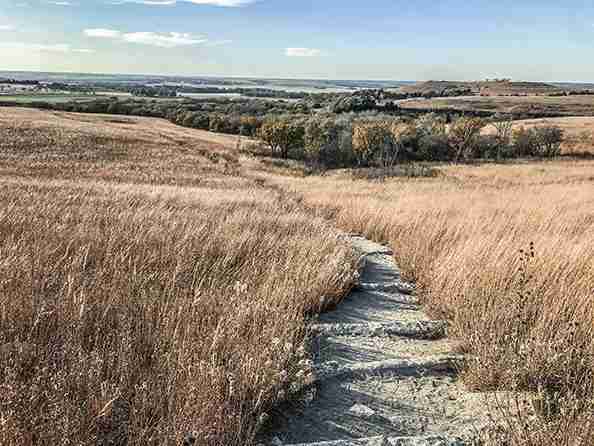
(534,40)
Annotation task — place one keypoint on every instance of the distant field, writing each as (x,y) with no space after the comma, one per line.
(51,98)
(582,105)
(63,98)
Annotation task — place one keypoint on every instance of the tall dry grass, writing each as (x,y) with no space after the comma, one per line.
(189,302)
(506,254)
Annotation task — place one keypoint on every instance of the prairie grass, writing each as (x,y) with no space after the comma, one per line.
(134,266)
(506,254)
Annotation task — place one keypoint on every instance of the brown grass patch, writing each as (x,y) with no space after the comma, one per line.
(118,276)
(525,318)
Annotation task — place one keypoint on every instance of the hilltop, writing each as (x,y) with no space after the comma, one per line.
(496,87)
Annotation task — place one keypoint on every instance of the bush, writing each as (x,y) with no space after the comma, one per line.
(549,139)
(433,147)
(323,141)
(374,141)
(538,141)
(523,142)
(201,121)
(282,135)
(249,125)
(406,136)
(224,124)
(431,124)
(357,102)
(464,136)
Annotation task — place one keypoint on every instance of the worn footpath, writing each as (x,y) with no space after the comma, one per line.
(385,373)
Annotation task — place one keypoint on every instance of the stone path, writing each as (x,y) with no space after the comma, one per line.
(385,372)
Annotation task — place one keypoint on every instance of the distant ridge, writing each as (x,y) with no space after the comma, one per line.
(497,87)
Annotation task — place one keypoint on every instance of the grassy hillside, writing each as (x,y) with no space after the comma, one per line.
(139,260)
(504,252)
(156,262)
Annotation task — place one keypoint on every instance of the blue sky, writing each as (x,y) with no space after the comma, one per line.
(337,39)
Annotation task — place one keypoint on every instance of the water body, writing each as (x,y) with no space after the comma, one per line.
(295,85)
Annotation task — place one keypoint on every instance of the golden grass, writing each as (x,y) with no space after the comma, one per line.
(143,259)
(132,265)
(526,321)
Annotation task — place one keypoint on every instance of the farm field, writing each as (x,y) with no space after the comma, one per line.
(579,105)
(140,261)
(50,98)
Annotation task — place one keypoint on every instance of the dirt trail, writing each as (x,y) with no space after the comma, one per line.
(385,372)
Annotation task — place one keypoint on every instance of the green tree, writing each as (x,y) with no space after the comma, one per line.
(464,136)
(282,135)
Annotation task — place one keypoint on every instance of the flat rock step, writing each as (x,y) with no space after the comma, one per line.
(430,365)
(396,286)
(393,441)
(421,329)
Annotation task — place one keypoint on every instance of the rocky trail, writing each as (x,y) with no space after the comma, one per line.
(385,372)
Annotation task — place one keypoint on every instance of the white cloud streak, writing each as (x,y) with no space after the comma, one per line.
(222,3)
(162,40)
(102,33)
(41,47)
(7,28)
(303,52)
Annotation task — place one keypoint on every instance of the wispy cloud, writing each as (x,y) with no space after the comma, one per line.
(7,28)
(222,3)
(102,32)
(60,3)
(303,52)
(41,47)
(162,40)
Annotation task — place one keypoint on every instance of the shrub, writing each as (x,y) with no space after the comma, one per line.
(464,135)
(224,124)
(355,103)
(431,124)
(282,135)
(549,139)
(523,142)
(248,125)
(538,141)
(406,136)
(201,121)
(188,119)
(433,147)
(322,141)
(374,141)
(502,139)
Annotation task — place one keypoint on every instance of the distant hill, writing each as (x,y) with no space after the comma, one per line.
(441,88)
(503,87)
(511,88)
